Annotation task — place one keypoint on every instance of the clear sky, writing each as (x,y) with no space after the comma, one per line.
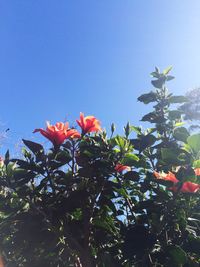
(58,58)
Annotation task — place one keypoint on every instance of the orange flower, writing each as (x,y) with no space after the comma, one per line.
(120,168)
(166,176)
(197,171)
(187,187)
(58,133)
(88,124)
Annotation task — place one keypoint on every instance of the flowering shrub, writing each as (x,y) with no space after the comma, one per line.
(93,200)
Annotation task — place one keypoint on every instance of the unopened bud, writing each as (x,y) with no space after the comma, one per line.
(112,128)
(127,129)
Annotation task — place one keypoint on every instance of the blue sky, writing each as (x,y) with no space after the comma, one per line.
(58,58)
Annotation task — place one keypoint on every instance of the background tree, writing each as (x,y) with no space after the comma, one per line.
(191,108)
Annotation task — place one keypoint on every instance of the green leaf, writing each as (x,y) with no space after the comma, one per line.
(178,124)
(120,141)
(167,70)
(177,255)
(151,117)
(130,159)
(122,192)
(113,128)
(178,99)
(196,163)
(34,147)
(7,157)
(194,142)
(169,155)
(86,172)
(155,74)
(135,129)
(28,165)
(106,223)
(132,175)
(10,168)
(144,142)
(159,82)
(142,163)
(63,157)
(181,134)
(77,214)
(193,244)
(187,148)
(174,114)
(148,140)
(21,177)
(127,129)
(170,77)
(148,98)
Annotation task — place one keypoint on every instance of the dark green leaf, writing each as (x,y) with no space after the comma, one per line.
(130,159)
(155,74)
(153,117)
(194,142)
(132,175)
(34,147)
(178,99)
(144,142)
(169,155)
(63,157)
(170,77)
(177,255)
(148,98)
(159,82)
(136,129)
(7,157)
(174,114)
(181,134)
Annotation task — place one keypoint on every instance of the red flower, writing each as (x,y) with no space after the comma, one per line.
(120,168)
(88,124)
(58,133)
(166,176)
(187,187)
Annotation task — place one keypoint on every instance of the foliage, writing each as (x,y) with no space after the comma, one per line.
(191,108)
(107,201)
